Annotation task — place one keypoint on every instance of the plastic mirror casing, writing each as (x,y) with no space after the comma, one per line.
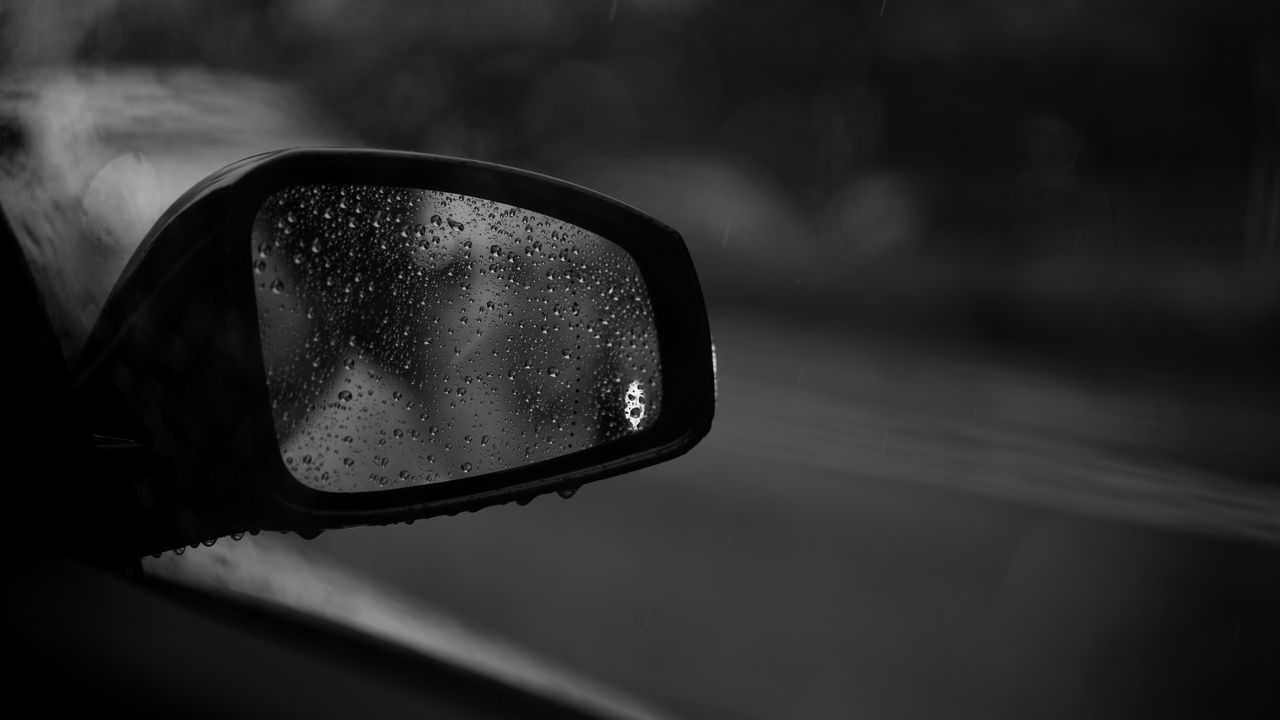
(174,368)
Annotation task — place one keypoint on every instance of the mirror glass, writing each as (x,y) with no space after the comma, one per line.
(413,336)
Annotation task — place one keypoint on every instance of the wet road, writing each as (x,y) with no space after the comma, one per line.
(872,532)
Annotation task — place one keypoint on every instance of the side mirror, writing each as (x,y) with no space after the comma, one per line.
(322,338)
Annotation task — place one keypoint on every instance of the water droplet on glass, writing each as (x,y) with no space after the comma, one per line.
(573,312)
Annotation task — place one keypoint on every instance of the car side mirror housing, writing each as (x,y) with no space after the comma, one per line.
(322,338)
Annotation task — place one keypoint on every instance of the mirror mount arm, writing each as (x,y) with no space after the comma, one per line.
(149,522)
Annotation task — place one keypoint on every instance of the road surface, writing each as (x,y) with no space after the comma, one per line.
(879,532)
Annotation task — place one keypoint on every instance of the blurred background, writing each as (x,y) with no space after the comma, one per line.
(996,291)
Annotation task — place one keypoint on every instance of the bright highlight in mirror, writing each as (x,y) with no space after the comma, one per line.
(634,406)
(412,336)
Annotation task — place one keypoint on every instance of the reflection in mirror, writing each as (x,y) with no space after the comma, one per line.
(413,336)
